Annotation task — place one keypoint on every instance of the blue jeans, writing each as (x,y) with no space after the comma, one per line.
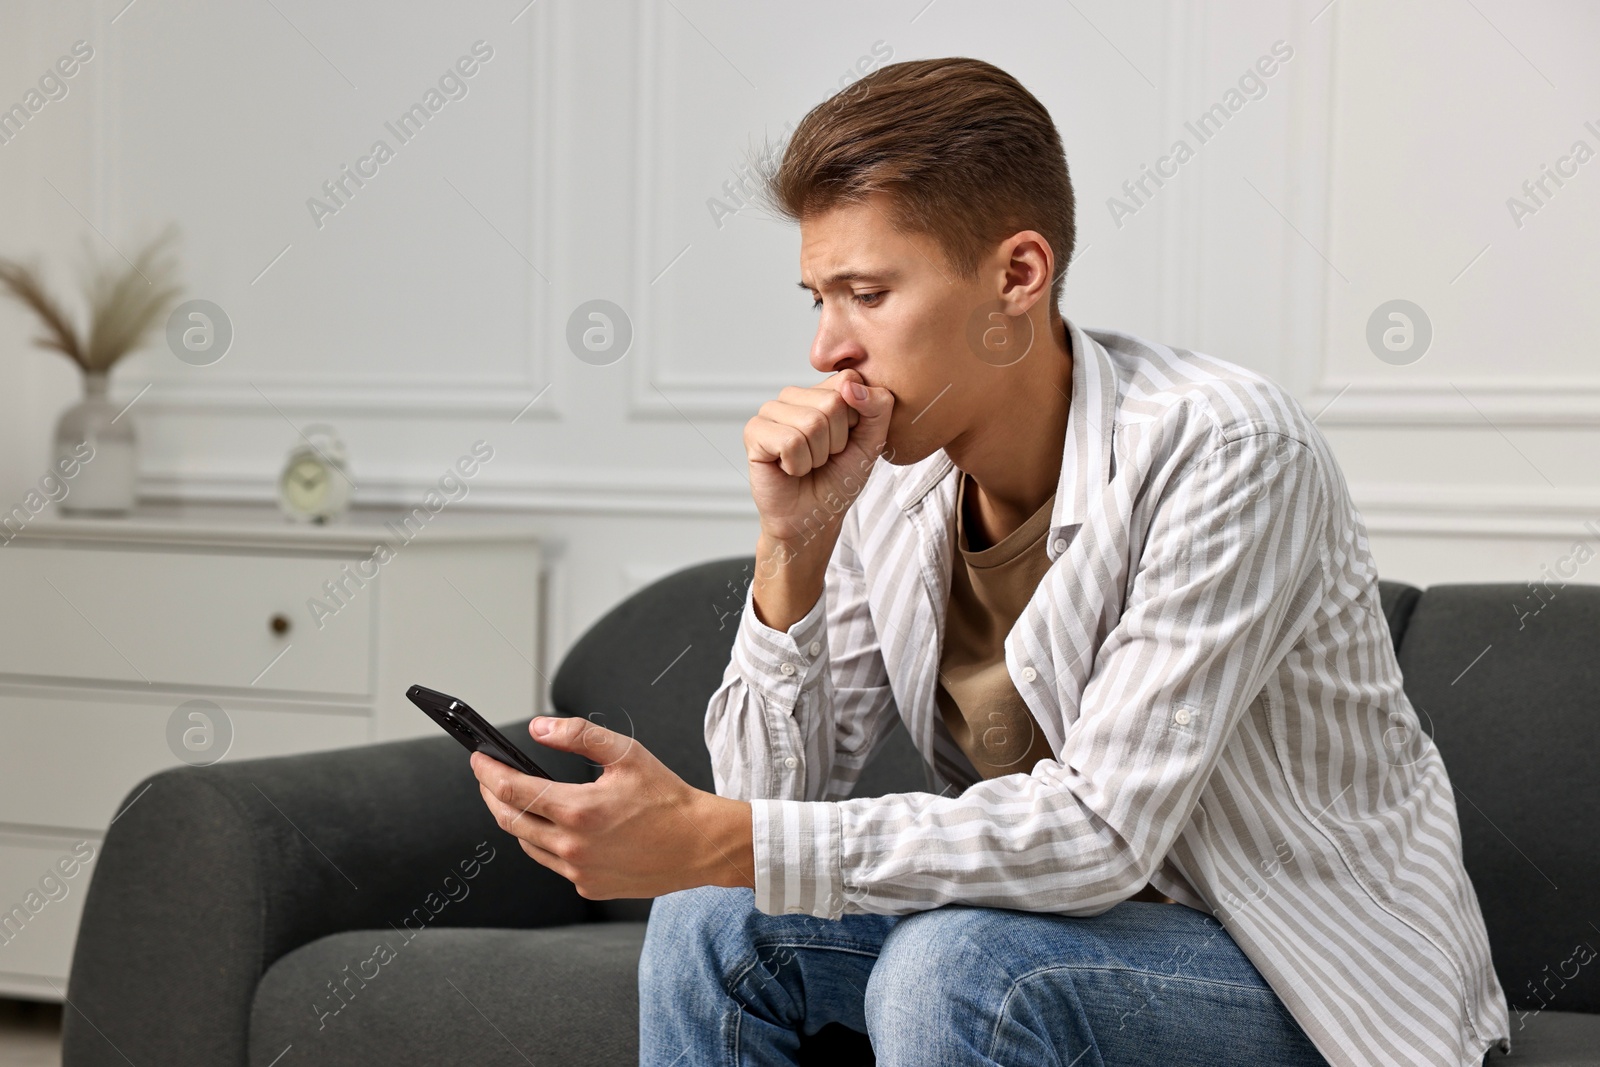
(722,983)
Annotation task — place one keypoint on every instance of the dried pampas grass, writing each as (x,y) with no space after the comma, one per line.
(125,303)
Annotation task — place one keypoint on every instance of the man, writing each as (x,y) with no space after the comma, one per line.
(1180,809)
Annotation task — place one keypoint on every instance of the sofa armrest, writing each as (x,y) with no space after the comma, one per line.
(209,875)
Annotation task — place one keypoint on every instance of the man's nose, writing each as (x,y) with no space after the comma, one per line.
(832,352)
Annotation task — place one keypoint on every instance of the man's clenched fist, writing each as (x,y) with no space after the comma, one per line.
(810,452)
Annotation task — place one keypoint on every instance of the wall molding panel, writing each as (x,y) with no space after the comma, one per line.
(656,392)
(428,395)
(1521,402)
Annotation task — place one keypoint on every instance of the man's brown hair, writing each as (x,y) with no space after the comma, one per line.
(966,154)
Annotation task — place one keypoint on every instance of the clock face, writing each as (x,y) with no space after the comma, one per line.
(313,486)
(306,485)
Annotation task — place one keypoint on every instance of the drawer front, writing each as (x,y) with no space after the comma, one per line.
(43,881)
(71,758)
(203,619)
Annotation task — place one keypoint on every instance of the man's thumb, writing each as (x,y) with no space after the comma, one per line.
(874,404)
(572,733)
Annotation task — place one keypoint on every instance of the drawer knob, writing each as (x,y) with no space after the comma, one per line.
(279,624)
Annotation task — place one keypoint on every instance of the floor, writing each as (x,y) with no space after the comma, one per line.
(30,1034)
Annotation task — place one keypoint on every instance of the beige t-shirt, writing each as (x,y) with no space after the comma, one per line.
(977,699)
(989,587)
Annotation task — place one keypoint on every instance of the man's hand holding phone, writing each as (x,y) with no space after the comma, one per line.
(810,452)
(639,830)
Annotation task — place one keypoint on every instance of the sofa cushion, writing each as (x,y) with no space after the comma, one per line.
(1508,689)
(566,995)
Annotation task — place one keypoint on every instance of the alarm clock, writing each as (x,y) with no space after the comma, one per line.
(315,483)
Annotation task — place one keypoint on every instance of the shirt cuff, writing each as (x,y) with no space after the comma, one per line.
(780,664)
(799,868)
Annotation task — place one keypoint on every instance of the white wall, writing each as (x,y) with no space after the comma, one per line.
(433,307)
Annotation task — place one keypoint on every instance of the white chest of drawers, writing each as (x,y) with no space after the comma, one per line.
(131,645)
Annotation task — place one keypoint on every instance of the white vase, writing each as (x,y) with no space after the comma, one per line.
(99,438)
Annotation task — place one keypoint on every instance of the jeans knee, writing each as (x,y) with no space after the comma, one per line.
(695,934)
(935,983)
(920,960)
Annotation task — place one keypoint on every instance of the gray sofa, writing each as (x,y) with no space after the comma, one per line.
(236,912)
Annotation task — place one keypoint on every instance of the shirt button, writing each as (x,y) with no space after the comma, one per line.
(816,647)
(1181,716)
(1060,546)
(1029,674)
(789,761)
(787,668)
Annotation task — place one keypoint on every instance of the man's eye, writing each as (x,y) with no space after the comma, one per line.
(865,299)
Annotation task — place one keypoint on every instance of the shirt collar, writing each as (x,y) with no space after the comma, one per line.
(1086,453)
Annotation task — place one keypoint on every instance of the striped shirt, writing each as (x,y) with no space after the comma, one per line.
(1208,659)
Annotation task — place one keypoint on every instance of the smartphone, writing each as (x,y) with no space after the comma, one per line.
(472,730)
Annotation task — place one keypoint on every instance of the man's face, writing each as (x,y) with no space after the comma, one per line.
(894,310)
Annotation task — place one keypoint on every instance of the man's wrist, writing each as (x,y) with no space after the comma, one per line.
(788,580)
(729,852)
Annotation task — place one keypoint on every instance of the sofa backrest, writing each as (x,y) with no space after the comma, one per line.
(1506,678)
